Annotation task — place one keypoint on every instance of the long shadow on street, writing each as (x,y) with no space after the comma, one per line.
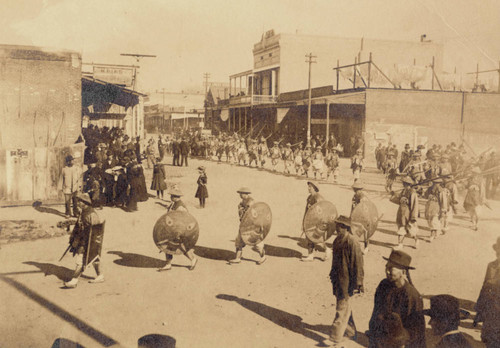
(48,269)
(137,260)
(284,319)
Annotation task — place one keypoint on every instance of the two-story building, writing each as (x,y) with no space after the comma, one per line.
(377,90)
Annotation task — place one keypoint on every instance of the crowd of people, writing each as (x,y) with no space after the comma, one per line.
(397,319)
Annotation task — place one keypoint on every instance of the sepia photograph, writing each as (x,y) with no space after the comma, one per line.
(249,173)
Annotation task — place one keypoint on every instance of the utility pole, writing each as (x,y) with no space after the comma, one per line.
(206,76)
(135,119)
(163,107)
(310,60)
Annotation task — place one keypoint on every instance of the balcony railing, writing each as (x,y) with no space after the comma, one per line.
(254,99)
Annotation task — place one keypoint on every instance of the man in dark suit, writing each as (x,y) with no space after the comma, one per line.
(175,152)
(445,318)
(184,152)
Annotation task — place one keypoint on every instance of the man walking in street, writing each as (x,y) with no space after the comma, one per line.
(346,276)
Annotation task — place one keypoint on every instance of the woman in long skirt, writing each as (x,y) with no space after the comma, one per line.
(158,184)
(202,192)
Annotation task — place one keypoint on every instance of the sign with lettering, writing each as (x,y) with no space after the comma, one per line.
(115,75)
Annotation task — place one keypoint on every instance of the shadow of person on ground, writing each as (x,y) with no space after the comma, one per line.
(48,269)
(272,250)
(284,319)
(301,242)
(65,343)
(38,207)
(156,340)
(137,260)
(213,254)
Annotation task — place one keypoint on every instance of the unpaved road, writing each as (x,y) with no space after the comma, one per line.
(282,303)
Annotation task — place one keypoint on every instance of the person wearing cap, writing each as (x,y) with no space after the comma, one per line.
(332,161)
(359,195)
(406,216)
(275,155)
(202,191)
(287,158)
(475,196)
(347,276)
(357,164)
(492,179)
(71,185)
(79,240)
(488,303)
(246,202)
(313,198)
(178,205)
(396,294)
(445,319)
(317,162)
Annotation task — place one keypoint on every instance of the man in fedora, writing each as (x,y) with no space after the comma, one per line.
(396,294)
(81,240)
(246,202)
(488,303)
(445,319)
(313,198)
(71,185)
(346,276)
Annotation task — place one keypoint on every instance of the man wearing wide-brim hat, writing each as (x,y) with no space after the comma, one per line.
(475,196)
(445,319)
(87,234)
(178,205)
(332,161)
(406,216)
(357,164)
(488,303)
(317,162)
(396,294)
(246,202)
(346,275)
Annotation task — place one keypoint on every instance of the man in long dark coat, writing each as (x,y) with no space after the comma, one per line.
(396,294)
(346,276)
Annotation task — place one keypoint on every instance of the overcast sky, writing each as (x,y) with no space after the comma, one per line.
(215,36)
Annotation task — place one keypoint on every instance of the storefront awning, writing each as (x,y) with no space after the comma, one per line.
(101,94)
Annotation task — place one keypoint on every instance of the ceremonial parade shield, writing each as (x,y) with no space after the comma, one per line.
(364,216)
(94,244)
(319,221)
(176,232)
(256,223)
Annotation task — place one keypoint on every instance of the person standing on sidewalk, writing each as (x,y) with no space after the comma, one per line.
(346,275)
(71,185)
(184,152)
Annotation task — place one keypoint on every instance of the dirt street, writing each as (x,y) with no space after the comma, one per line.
(282,303)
